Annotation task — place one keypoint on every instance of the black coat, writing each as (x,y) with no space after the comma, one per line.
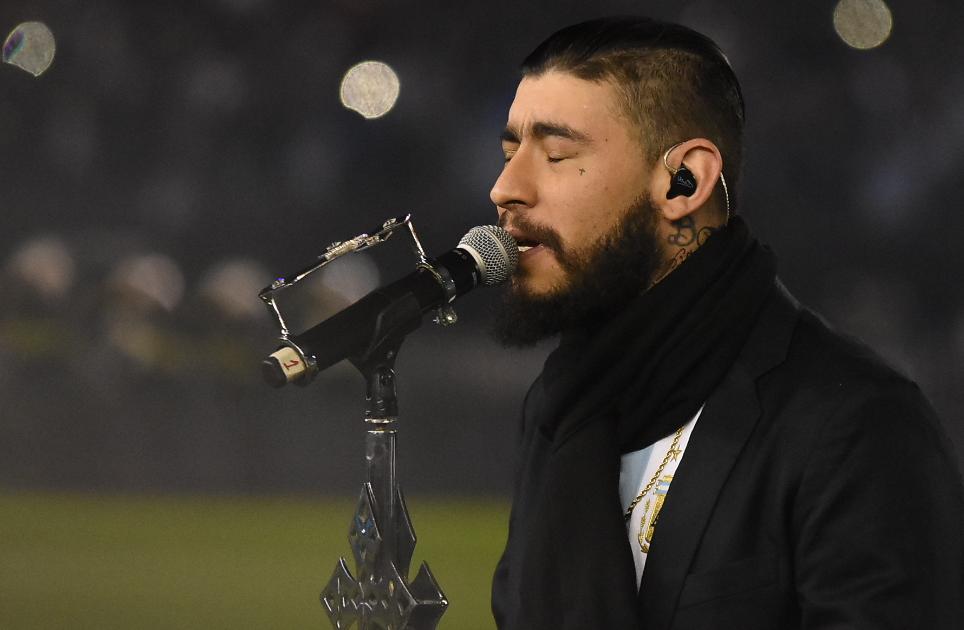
(817,491)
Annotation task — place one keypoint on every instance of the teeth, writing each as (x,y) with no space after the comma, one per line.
(524,248)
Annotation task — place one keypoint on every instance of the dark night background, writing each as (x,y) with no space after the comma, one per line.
(178,155)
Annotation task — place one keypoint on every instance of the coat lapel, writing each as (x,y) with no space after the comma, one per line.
(728,419)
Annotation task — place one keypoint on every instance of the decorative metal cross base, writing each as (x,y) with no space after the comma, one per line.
(380,597)
(381,536)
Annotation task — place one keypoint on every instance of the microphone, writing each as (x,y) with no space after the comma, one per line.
(486,255)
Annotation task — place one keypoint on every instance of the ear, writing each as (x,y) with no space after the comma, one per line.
(703,160)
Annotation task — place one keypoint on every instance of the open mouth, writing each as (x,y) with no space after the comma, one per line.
(527,244)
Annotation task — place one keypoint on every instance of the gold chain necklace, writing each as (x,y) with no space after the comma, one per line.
(673,452)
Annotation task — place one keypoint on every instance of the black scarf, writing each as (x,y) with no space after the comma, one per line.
(611,390)
(655,363)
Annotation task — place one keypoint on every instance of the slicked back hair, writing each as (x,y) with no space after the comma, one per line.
(674,83)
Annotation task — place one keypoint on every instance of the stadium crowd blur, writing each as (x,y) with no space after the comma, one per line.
(176,155)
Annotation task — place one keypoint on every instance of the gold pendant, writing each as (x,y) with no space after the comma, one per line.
(641,537)
(646,533)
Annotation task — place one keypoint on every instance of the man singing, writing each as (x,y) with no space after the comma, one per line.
(701,451)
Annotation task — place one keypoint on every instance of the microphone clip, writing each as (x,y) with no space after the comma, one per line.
(297,363)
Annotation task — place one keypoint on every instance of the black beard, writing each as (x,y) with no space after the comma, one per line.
(601,280)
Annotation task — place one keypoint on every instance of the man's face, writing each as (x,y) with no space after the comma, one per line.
(573,194)
(574,167)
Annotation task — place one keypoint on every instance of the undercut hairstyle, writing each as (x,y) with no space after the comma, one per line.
(673,83)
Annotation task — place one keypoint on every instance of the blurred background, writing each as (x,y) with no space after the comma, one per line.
(177,156)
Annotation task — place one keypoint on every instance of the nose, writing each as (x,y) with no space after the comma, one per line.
(515,188)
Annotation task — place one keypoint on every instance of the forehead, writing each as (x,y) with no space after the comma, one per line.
(561,98)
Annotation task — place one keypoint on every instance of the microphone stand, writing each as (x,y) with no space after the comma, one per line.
(381,536)
(379,595)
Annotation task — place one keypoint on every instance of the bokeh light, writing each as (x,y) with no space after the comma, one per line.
(232,288)
(370,88)
(30,47)
(138,340)
(44,264)
(151,280)
(335,287)
(863,24)
(351,277)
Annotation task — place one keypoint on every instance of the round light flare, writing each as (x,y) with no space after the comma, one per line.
(337,286)
(148,281)
(863,24)
(46,265)
(30,46)
(370,88)
(232,286)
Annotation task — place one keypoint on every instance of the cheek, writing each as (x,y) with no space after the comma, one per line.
(593,213)
(588,203)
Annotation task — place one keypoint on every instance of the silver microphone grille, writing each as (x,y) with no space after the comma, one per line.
(495,251)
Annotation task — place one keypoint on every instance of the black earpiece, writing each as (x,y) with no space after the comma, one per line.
(682,183)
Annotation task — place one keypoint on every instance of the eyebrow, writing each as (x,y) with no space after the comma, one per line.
(540,130)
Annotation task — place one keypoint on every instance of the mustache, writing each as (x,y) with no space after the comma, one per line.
(542,233)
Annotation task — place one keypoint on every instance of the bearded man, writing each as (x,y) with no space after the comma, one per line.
(700,451)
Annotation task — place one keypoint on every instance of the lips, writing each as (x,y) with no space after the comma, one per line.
(529,241)
(529,248)
(524,241)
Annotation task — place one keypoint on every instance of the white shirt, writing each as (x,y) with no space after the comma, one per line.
(636,471)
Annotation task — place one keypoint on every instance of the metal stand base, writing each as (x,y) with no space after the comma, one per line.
(381,535)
